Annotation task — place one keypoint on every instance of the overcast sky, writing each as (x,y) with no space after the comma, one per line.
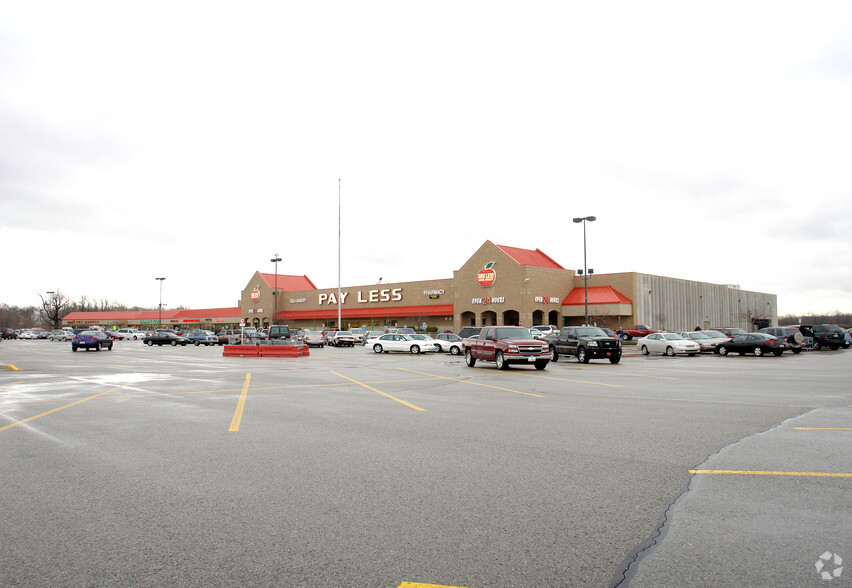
(194,140)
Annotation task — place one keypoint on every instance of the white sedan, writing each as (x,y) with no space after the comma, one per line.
(396,342)
(448,342)
(668,343)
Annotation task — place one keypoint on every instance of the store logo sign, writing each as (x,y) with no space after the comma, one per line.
(255,294)
(486,275)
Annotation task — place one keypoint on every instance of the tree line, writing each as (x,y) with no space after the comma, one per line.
(48,314)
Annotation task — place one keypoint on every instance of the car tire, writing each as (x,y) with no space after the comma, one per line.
(376,348)
(455,350)
(469,359)
(582,355)
(644,350)
(415,349)
(796,350)
(817,345)
(554,356)
(150,343)
(692,354)
(174,343)
(500,361)
(438,348)
(670,351)
(540,365)
(197,343)
(722,350)
(615,359)
(758,352)
(73,348)
(778,352)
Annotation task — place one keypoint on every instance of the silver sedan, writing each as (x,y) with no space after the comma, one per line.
(668,343)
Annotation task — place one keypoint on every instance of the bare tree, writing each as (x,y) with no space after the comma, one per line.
(53,308)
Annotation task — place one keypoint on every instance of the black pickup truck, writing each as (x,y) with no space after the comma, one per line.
(584,343)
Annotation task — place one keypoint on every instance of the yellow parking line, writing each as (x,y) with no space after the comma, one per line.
(57,409)
(421,585)
(473,383)
(12,383)
(575,381)
(823,428)
(379,391)
(11,367)
(771,473)
(241,404)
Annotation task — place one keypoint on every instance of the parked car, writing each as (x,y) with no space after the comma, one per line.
(706,341)
(757,343)
(730,332)
(314,339)
(114,335)
(425,338)
(791,335)
(133,334)
(96,340)
(165,338)
(399,342)
(42,334)
(826,335)
(467,332)
(546,329)
(27,334)
(59,335)
(448,342)
(340,339)
(668,343)
(202,338)
(279,332)
(7,333)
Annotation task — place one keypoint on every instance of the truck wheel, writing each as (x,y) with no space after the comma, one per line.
(469,359)
(627,337)
(554,356)
(615,359)
(582,356)
(540,365)
(500,361)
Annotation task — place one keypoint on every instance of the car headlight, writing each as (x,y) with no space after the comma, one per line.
(593,343)
(512,349)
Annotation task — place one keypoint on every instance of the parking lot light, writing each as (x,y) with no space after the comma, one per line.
(586,271)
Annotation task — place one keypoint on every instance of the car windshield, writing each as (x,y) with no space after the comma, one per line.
(698,336)
(513,333)
(714,334)
(673,336)
(344,334)
(87,334)
(591,332)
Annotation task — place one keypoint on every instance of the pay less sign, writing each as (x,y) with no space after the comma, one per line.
(383,295)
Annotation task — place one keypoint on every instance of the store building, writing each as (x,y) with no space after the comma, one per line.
(498,285)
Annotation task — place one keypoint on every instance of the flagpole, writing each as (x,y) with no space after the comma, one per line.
(339,322)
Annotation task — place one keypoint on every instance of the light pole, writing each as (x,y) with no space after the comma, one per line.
(586,271)
(160,315)
(275,260)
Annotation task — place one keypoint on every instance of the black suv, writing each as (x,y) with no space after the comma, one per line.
(279,332)
(792,335)
(826,335)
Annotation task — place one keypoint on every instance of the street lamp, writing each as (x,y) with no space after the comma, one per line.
(586,271)
(275,260)
(160,315)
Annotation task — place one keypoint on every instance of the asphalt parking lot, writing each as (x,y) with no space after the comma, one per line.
(177,466)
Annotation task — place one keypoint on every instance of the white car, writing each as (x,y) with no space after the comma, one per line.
(397,342)
(547,329)
(668,343)
(370,335)
(60,336)
(448,342)
(27,335)
(705,339)
(131,334)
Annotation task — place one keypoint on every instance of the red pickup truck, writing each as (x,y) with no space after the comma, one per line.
(505,346)
(638,331)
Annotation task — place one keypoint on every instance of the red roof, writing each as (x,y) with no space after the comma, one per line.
(535,258)
(597,295)
(288,283)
